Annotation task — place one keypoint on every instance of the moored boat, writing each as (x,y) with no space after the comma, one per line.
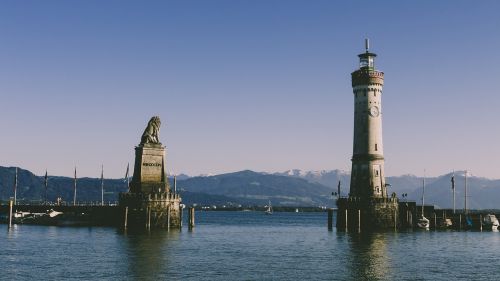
(446,223)
(490,222)
(423,222)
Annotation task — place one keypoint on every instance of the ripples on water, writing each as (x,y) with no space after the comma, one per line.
(246,246)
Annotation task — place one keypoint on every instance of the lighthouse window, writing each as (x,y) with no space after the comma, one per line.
(376,147)
(376,173)
(374,94)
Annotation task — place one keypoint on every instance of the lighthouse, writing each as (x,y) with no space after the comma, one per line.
(368,205)
(367,173)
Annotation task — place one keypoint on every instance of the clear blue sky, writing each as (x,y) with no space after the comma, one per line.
(262,85)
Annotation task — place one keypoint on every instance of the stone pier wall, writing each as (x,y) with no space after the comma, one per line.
(153,210)
(354,214)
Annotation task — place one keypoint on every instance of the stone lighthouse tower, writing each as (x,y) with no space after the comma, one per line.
(368,203)
(367,176)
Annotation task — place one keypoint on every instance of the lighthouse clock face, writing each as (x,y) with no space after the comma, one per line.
(374,112)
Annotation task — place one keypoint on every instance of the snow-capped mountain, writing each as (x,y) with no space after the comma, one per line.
(328,178)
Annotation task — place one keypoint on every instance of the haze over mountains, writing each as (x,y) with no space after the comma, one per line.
(289,188)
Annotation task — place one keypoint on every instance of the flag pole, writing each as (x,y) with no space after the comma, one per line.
(102,185)
(175,184)
(15,188)
(338,191)
(46,184)
(74,191)
(453,189)
(126,177)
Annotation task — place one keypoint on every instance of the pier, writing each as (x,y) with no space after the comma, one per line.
(79,215)
(352,215)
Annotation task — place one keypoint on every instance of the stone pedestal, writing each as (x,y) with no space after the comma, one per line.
(149,169)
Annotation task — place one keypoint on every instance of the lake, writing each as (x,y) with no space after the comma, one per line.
(246,246)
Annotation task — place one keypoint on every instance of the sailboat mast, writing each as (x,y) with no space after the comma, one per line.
(423,193)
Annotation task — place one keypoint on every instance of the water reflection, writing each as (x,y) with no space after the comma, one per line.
(368,257)
(148,253)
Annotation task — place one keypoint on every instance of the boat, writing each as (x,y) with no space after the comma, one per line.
(269,210)
(296,210)
(423,222)
(490,222)
(468,218)
(446,223)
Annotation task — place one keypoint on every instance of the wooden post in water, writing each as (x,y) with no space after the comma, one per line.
(407,218)
(330,219)
(10,212)
(359,220)
(435,221)
(191,217)
(168,218)
(346,219)
(149,218)
(411,220)
(395,221)
(181,216)
(460,222)
(126,218)
(480,222)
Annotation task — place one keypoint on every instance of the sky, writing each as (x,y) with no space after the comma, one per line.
(238,84)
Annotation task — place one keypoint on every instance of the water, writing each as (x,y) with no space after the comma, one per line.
(246,246)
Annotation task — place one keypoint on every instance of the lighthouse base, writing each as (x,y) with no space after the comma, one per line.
(354,214)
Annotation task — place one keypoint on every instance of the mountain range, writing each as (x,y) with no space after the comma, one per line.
(289,188)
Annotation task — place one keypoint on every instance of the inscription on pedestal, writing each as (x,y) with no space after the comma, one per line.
(149,169)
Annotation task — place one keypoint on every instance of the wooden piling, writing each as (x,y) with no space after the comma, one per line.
(181,210)
(330,219)
(149,218)
(460,222)
(191,217)
(480,222)
(435,221)
(10,212)
(126,218)
(359,220)
(395,221)
(407,218)
(346,220)
(168,218)
(410,220)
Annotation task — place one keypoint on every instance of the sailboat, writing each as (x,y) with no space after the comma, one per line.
(423,222)
(490,222)
(269,210)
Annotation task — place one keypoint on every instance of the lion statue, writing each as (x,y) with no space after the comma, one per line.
(151,132)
